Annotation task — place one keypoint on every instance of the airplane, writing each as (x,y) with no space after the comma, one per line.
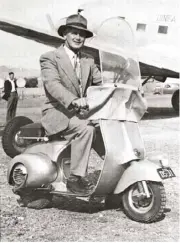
(156,35)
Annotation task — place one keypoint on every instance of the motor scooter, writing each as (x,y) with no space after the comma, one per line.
(40,165)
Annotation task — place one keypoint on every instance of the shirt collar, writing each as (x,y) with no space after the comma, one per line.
(11,80)
(70,53)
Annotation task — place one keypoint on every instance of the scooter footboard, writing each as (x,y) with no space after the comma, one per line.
(143,170)
(39,168)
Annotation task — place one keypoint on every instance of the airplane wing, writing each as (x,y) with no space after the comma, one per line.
(160,58)
(149,66)
(40,36)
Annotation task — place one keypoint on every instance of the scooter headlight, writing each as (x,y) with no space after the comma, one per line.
(19,174)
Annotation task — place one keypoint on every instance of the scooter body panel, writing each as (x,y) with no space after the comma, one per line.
(51,149)
(119,150)
(40,169)
(142,170)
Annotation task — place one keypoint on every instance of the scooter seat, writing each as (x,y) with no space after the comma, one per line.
(32,130)
(36,130)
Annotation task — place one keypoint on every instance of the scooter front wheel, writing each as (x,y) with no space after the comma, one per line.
(141,208)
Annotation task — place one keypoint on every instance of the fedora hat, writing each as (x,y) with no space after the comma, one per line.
(76,21)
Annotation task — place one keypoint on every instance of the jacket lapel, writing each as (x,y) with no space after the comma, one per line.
(85,69)
(67,67)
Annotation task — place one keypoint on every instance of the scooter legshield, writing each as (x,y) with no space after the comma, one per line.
(142,170)
(40,169)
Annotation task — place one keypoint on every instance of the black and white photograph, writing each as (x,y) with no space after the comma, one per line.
(89,120)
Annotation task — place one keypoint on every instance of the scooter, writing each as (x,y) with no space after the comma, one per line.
(40,165)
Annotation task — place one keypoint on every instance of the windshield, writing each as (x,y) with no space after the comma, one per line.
(118,58)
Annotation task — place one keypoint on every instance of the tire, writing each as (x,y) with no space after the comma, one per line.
(10,146)
(175,101)
(34,199)
(153,208)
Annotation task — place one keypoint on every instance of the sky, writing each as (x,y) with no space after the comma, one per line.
(18,52)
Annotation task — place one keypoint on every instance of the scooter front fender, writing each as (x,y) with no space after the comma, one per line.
(142,170)
(40,169)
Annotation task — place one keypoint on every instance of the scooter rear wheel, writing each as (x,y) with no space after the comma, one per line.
(11,144)
(142,209)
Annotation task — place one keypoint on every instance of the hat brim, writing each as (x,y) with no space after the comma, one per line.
(62,28)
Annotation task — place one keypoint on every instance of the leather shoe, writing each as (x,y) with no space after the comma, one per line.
(75,185)
(87,184)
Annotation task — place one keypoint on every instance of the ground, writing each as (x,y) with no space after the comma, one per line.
(76,220)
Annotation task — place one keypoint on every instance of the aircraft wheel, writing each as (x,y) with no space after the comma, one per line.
(175,101)
(11,143)
(144,209)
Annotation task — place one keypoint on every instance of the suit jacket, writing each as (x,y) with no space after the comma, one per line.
(8,88)
(62,87)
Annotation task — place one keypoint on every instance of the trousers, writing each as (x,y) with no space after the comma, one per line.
(11,106)
(82,132)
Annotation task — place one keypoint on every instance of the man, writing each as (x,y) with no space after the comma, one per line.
(67,73)
(11,96)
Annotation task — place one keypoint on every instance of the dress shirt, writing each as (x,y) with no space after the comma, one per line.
(75,61)
(72,56)
(13,85)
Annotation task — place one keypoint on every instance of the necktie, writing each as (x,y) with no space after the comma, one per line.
(77,69)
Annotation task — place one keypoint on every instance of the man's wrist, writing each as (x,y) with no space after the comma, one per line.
(72,103)
(71,106)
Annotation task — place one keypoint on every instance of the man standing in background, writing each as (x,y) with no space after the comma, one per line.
(11,96)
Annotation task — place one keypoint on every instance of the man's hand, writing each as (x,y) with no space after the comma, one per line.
(80,103)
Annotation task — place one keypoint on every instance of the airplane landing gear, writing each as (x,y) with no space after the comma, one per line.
(175,101)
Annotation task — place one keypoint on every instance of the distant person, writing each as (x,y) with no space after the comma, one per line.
(11,96)
(67,72)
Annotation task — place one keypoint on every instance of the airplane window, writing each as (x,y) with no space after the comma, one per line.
(162,29)
(141,27)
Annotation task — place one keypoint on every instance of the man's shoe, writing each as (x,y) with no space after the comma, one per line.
(87,184)
(75,185)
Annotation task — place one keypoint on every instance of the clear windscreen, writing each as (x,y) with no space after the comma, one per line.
(118,58)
